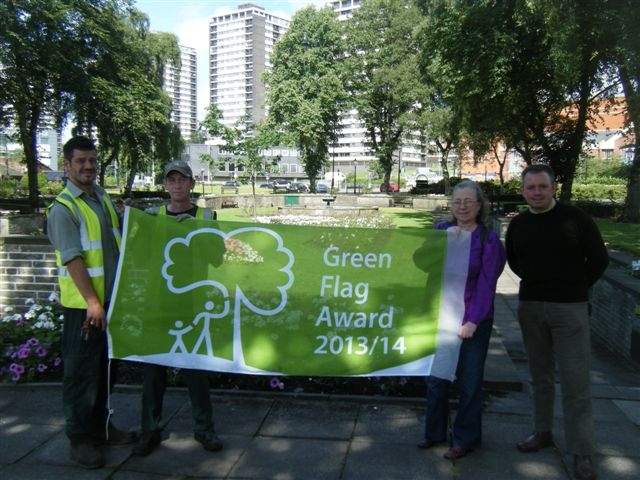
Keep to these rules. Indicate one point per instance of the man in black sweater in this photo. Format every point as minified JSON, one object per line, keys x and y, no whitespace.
{"x":558,"y":253}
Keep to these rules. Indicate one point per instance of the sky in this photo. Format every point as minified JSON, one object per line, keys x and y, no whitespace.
{"x":188,"y":19}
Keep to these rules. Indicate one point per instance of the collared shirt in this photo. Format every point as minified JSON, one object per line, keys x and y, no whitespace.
{"x":64,"y":233}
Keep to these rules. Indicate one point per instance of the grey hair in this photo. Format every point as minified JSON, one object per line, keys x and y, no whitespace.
{"x":483,"y":214}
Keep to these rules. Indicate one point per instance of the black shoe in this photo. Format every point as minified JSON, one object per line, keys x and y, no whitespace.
{"x":426,"y":443}
{"x":86,"y":455}
{"x":583,"y":467}
{"x":147,"y":443}
{"x":536,"y":441}
{"x":209,"y":441}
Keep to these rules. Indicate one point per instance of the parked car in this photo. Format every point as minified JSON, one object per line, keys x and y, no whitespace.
{"x":322,"y":188}
{"x":389,"y":187}
{"x":232,"y":183}
{"x":280,"y":184}
{"x":268,"y":186}
{"x":298,"y":188}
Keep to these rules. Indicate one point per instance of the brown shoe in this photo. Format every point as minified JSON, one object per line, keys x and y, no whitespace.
{"x":454,"y":453}
{"x":86,"y":455}
{"x":583,"y":467}
{"x":536,"y":441}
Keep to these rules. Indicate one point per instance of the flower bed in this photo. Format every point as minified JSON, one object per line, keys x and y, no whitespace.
{"x":30,"y":343}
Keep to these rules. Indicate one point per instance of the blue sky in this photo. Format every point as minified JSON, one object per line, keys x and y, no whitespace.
{"x":188,"y":19}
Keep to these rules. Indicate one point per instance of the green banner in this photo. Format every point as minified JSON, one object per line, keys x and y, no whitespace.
{"x":284,"y":299}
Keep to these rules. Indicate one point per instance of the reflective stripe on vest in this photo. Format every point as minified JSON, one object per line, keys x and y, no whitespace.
{"x":91,"y":244}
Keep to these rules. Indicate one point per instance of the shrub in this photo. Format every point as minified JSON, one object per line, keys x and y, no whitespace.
{"x":30,"y":342}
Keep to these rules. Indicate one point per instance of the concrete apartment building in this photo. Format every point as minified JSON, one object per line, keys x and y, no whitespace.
{"x":181,"y":85}
{"x":240,"y":46}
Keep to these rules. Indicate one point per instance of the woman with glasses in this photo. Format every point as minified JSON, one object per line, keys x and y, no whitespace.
{"x":487,"y":259}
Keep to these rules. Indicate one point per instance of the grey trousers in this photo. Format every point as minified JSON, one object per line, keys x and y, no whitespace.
{"x":557,"y":335}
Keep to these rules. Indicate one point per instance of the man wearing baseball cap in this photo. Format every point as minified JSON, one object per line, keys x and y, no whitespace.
{"x":178,"y":181}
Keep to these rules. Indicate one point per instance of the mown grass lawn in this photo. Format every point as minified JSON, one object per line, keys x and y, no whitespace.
{"x":620,"y":236}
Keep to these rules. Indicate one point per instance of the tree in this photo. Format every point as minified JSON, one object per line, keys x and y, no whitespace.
{"x":382,"y":72}
{"x":305,"y":91}
{"x":124,"y":99}
{"x":627,"y":60}
{"x":523,"y":73}
{"x":42,"y":48}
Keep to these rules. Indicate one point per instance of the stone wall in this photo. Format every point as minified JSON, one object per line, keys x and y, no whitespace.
{"x":27,"y":270}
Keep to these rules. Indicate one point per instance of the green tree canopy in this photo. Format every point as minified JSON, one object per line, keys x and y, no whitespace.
{"x":305,"y":87}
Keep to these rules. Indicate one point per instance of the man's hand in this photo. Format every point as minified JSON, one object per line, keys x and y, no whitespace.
{"x":96,"y":316}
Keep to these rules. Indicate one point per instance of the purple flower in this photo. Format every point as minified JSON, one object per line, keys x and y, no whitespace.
{"x":17,"y":368}
{"x":15,"y":377}
{"x":23,"y":352}
{"x":41,"y":351}
{"x":57,"y":361}
{"x":32,"y":342}
{"x":42,"y":367}
{"x":276,"y":383}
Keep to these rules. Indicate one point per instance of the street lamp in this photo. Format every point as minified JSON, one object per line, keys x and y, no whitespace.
{"x":202,"y":178}
{"x":355,"y":171}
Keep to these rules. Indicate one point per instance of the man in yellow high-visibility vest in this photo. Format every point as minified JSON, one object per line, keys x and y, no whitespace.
{"x":178,"y":181}
{"x":84,"y":229}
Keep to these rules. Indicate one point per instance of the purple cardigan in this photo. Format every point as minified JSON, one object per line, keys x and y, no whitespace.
{"x":486,"y":263}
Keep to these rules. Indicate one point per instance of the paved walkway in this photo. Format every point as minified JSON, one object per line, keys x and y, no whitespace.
{"x":351,"y":438}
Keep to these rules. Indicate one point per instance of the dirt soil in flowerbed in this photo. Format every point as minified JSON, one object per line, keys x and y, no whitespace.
{"x":132,"y":373}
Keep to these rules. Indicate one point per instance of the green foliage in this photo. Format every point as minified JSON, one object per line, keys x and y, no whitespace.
{"x":8,"y":187}
{"x":306,"y":86}
{"x":45,"y":187}
{"x":30,"y":343}
{"x":613,"y":193}
{"x":382,"y":68}
{"x":592,"y":170}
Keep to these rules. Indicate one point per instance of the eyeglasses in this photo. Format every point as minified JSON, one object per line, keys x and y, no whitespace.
{"x":467,"y":202}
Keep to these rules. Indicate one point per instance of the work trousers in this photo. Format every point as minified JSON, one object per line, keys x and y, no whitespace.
{"x":467,"y":426}
{"x":557,"y":335}
{"x":85,"y":378}
{"x":154,"y":386}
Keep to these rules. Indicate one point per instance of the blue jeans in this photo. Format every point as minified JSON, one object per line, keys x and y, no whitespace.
{"x":467,"y":426}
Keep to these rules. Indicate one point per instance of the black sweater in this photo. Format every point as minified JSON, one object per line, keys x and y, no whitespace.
{"x":558,"y":254}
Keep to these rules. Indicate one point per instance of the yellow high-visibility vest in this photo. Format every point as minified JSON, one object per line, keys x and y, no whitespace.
{"x":92,"y":250}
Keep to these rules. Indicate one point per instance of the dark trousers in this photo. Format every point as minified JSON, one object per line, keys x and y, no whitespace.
{"x":154,"y":385}
{"x":467,"y":426}
{"x":85,"y":379}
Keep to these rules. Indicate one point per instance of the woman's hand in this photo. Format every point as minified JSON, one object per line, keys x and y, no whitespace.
{"x":467,"y":330}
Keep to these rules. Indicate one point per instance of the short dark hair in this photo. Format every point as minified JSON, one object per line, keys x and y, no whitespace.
{"x":79,"y":142}
{"x":540,"y":168}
